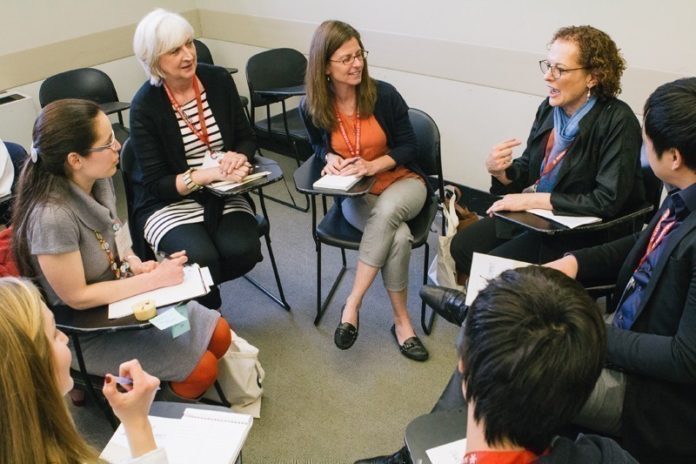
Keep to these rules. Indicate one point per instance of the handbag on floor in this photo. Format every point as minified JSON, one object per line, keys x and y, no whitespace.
{"x":465,"y":216}
{"x":241,"y":377}
{"x":442,"y":270}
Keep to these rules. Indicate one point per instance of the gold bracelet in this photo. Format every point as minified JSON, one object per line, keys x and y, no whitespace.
{"x":188,"y":181}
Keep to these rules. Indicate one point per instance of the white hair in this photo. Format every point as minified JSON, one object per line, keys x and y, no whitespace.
{"x":160,"y":31}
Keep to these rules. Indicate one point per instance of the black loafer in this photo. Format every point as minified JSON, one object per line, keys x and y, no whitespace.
{"x":346,"y":333}
{"x":446,"y":302}
{"x":412,"y":348}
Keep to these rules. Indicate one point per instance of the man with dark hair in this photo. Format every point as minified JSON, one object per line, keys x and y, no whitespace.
{"x":530,"y":351}
{"x":646,"y":394}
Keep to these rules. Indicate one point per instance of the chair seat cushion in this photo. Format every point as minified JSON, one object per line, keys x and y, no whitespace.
{"x":335,"y":230}
{"x":295,"y":126}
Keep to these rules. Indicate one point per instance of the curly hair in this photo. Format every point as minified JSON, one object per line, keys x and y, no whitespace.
{"x":599,"y":53}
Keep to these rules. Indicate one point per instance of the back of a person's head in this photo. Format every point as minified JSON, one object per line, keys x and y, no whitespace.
{"x":35,"y":425}
{"x":532,"y":348}
{"x":670,"y":119}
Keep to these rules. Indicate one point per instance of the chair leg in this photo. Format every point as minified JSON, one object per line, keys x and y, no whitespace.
{"x":98,"y":400}
{"x":292,"y":203}
{"x":427,"y":327}
{"x":321,"y":307}
{"x":280,"y":301}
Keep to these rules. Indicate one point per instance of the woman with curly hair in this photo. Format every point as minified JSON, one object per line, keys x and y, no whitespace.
{"x":582,"y":155}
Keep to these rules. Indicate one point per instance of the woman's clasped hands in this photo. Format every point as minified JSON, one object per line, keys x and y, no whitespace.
{"x":234,"y":166}
{"x":339,"y":166}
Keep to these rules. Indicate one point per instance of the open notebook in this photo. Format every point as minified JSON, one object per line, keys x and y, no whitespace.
{"x":485,"y":267}
{"x":227,"y":186}
{"x":200,"y":436}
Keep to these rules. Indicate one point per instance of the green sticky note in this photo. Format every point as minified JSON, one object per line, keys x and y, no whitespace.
{"x":183,"y":326}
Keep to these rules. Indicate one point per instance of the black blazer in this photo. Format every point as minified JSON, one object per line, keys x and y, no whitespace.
{"x":601,"y":173}
{"x":156,"y":138}
{"x":659,"y":352}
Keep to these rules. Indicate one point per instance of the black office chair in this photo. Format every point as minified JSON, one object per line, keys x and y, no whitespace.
{"x":334,"y":229}
{"x":273,"y":77}
{"x":88,"y":84}
{"x":204,"y":56}
{"x":132,"y":179}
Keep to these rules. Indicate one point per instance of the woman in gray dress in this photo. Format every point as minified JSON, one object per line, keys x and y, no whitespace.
{"x":68,"y":236}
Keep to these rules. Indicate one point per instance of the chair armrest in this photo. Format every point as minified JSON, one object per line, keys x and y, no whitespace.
{"x":114,"y":107}
{"x":310,"y":171}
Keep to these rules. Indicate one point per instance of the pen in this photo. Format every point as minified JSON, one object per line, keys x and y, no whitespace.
{"x":124,"y":380}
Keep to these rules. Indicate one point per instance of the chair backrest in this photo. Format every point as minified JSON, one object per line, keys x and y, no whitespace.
{"x":86,"y":83}
{"x":428,"y":139}
{"x":132,"y":183}
{"x":279,"y":67}
{"x":203,"y":52}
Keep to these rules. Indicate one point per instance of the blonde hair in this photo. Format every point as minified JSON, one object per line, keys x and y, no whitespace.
{"x":158,"y":32}
{"x":35,"y":425}
{"x":328,"y":38}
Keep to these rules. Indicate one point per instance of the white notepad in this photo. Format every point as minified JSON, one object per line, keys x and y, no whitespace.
{"x":226,"y":186}
{"x":449,"y":453}
{"x":485,"y":267}
{"x":333,"y":182}
{"x":570,"y":222}
{"x":196,"y":283}
{"x":200,"y":436}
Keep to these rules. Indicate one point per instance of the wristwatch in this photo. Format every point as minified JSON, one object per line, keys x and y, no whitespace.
{"x":188,"y":181}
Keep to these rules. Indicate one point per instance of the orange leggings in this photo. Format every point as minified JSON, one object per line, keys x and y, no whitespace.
{"x":205,"y":372}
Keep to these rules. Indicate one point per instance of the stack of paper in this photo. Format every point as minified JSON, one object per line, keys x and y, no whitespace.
{"x":205,"y":436}
{"x":570,"y":222}
{"x":333,"y":182}
{"x":226,"y":186}
{"x":484,"y":268}
{"x":197,"y":282}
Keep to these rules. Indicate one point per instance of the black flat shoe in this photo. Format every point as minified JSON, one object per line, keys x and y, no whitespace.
{"x":346,"y":333}
{"x":400,"y":457}
{"x":446,"y":302}
{"x":412,"y":348}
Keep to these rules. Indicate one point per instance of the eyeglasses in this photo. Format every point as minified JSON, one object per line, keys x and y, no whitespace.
{"x":347,"y":60}
{"x":556,"y":72}
{"x":110,"y":146}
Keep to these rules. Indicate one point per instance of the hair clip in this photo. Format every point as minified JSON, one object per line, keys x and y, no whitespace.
{"x":34,"y":154}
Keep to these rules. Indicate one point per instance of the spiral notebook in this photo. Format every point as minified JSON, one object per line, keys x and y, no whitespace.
{"x":205,"y":436}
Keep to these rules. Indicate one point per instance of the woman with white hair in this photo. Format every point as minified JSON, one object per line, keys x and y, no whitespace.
{"x":188,"y":130}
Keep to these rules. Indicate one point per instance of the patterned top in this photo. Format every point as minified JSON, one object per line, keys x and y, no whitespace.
{"x":188,"y":210}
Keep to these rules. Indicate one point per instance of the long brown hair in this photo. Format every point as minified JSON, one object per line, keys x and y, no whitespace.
{"x":328,"y":38}
{"x":62,"y":127}
{"x":35,"y":425}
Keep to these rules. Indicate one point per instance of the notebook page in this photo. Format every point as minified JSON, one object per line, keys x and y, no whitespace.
{"x":485,"y":267}
{"x":334,"y":182}
{"x":570,"y":222}
{"x":225,"y":185}
{"x":449,"y":453}
{"x":191,"y":287}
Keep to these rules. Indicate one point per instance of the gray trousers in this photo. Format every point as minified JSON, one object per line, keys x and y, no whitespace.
{"x":387,"y":240}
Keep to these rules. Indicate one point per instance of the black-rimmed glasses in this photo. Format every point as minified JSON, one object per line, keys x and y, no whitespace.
{"x":347,"y":60}
{"x":556,"y":72}
{"x":111,"y":145}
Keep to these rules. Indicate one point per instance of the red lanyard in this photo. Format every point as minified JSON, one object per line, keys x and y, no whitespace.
{"x":548,"y":167}
{"x":354,"y":151}
{"x":658,"y":235}
{"x":500,"y":457}
{"x":202,"y":134}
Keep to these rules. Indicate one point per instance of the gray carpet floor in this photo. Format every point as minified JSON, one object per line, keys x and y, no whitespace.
{"x":321,"y":404}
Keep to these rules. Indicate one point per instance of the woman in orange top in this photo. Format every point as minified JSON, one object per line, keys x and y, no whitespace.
{"x":360,"y":126}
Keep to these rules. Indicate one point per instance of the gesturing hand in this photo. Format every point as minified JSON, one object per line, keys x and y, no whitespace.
{"x":500,"y":157}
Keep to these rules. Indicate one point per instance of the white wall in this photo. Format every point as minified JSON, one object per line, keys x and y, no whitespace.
{"x":473,"y":113}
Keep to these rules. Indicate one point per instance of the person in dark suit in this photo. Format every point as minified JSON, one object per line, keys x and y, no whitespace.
{"x":652,"y":339}
{"x":645,"y":394}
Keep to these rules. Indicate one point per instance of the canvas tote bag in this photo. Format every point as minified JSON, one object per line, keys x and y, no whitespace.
{"x":442,"y":270}
{"x":241,"y":377}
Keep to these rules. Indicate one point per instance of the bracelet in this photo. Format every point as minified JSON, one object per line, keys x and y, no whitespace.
{"x":188,"y":181}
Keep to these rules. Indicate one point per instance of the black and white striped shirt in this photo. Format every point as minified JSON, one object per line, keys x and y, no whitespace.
{"x":189,"y":211}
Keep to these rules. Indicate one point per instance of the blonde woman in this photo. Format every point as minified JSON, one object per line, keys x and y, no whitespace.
{"x":35,"y":425}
